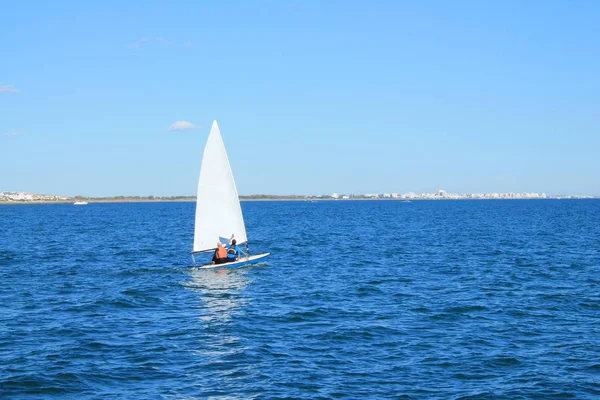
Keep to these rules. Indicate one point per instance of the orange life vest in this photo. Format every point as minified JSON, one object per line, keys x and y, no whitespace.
{"x":221,"y":252}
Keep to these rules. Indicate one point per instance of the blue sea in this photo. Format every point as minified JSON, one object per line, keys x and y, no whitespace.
{"x":359,"y":300}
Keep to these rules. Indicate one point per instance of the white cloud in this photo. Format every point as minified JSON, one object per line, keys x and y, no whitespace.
{"x":14,"y":133}
{"x":161,"y":39}
{"x":8,"y":89}
{"x":182,"y":125}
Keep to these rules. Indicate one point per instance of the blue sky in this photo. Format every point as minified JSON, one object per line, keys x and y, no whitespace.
{"x":311,"y":97}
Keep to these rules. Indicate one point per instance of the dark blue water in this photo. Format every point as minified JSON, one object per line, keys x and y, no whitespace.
{"x":365,"y":299}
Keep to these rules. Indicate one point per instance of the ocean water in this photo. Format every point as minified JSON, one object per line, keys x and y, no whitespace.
{"x":359,"y":299}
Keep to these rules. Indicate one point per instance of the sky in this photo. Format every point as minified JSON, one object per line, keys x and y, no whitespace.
{"x":312,"y":97}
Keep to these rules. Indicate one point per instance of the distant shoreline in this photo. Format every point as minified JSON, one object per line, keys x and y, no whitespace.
{"x":282,"y":198}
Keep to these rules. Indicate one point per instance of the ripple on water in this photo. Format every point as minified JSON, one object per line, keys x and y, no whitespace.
{"x":365,"y":299}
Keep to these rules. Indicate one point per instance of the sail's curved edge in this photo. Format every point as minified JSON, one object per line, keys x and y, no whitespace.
{"x":218,"y":210}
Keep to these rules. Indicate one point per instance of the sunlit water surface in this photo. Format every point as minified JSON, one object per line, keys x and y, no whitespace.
{"x":359,"y":299}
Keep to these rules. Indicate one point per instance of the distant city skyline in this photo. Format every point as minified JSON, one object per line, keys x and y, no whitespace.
{"x":106,"y":99}
{"x":6,"y":196}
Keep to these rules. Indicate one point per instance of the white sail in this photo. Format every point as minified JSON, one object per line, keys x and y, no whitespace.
{"x":218,"y":211}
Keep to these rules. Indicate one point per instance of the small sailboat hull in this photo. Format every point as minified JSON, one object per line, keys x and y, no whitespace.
{"x":240,"y":263}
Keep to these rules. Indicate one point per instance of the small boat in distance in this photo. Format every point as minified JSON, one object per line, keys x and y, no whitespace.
{"x":218,"y":210}
{"x":80,"y":203}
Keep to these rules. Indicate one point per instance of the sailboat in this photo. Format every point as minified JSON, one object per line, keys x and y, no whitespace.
{"x":218,"y":211}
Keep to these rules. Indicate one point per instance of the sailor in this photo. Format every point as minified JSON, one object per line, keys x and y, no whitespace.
{"x":233,"y":253}
{"x":220,"y":256}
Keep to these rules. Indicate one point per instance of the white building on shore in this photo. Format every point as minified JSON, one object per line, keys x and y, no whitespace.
{"x":25,"y":197}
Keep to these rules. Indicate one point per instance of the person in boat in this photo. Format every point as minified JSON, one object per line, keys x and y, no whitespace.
{"x":220,"y":256}
{"x":233,"y":254}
